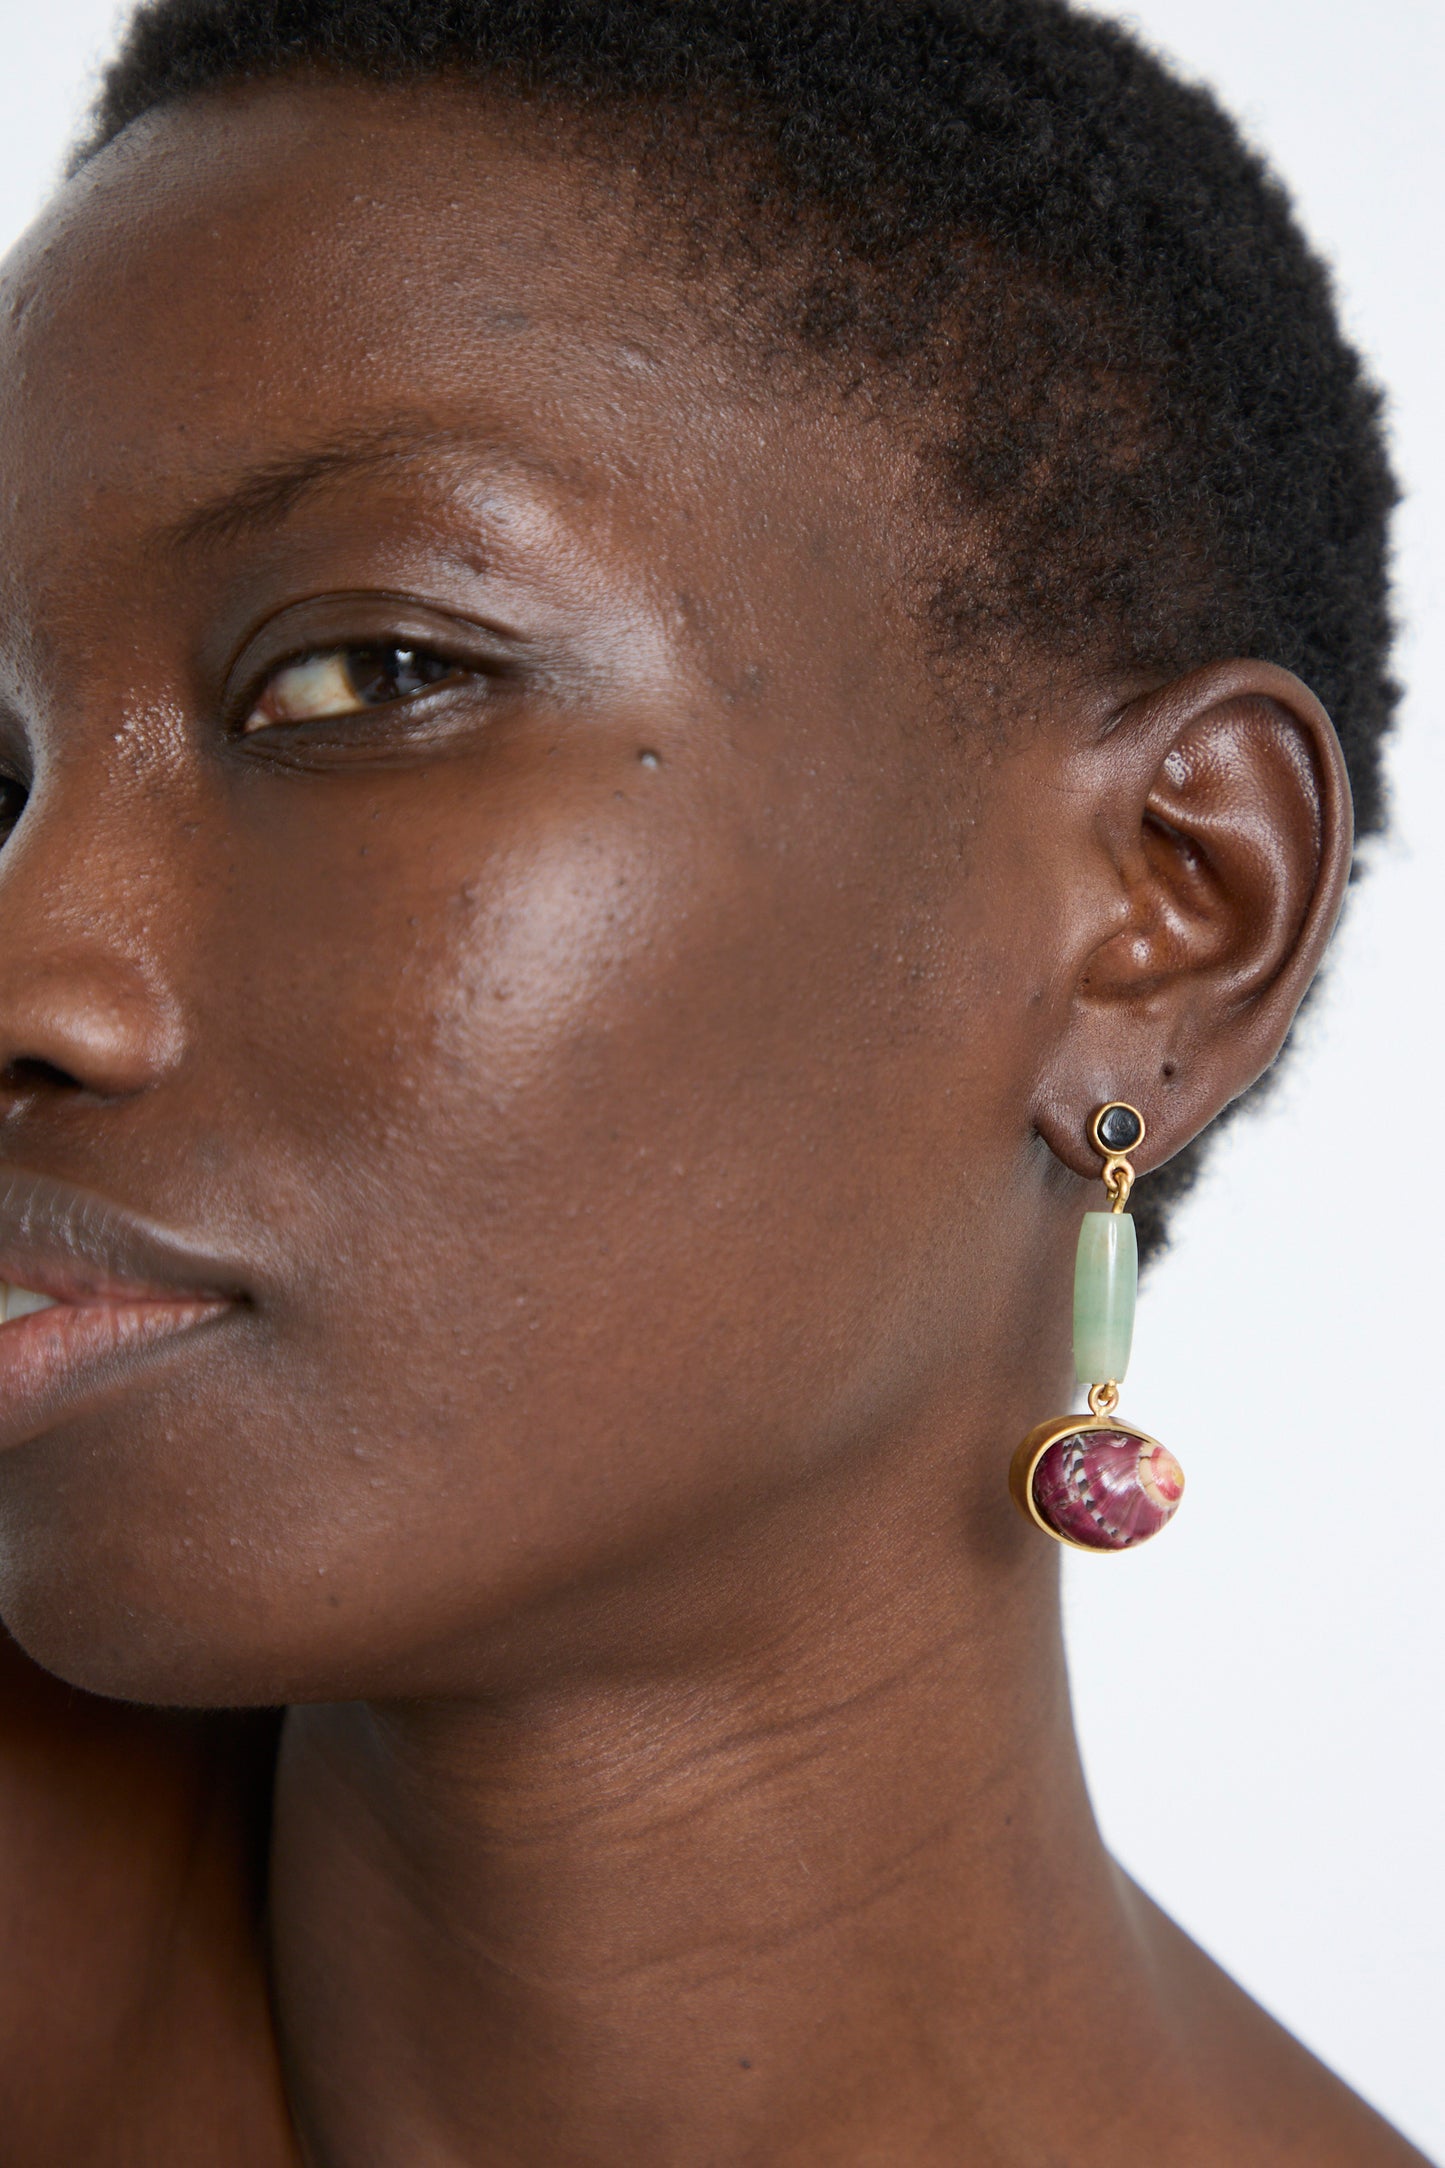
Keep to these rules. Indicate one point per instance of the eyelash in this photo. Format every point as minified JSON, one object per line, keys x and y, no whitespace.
{"x":348,"y":679}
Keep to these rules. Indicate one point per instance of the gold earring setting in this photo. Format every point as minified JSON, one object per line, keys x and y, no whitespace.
{"x":1093,"y":1482}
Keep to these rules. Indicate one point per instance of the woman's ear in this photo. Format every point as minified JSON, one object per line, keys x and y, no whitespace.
{"x":1224,"y":808}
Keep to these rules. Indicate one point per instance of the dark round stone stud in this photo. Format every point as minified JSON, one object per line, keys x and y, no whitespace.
{"x":1118,"y":1128}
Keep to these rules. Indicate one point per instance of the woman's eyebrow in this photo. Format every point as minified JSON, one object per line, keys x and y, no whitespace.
{"x":261,"y":496}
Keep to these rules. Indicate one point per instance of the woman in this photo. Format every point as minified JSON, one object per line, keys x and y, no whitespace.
{"x":649,"y":649}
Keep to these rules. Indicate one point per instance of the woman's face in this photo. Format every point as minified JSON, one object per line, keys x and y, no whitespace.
{"x":496,"y":884}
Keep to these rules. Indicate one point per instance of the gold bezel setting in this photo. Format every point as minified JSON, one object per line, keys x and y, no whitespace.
{"x":1108,"y":1151}
{"x":1032,"y":1450}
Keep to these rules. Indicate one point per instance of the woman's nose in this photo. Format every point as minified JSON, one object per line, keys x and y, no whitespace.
{"x":79,"y":1021}
{"x":84,"y":1008}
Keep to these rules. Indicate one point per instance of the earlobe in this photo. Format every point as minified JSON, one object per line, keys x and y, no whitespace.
{"x":1230,"y":828}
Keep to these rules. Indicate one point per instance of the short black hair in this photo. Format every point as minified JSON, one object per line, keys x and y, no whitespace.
{"x":1139,"y":390}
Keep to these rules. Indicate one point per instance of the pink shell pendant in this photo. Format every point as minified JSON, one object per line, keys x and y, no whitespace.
{"x":1096,"y":1484}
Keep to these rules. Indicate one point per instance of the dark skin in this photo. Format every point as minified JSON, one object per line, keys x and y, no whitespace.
{"x":631,"y":1091}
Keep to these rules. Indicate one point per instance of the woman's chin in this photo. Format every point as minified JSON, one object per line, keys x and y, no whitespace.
{"x":173,"y":1642}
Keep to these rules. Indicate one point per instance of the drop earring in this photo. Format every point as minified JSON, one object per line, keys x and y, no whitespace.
{"x":1093,"y":1482}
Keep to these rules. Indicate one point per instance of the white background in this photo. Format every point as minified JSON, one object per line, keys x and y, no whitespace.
{"x":1259,"y":1692}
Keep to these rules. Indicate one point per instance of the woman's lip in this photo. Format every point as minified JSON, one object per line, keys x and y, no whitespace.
{"x":118,"y":1284}
{"x":81,"y":1248}
{"x":50,"y":1358}
{"x":76,"y":1284}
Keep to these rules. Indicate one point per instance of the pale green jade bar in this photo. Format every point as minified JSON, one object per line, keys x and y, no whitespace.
{"x":1106,"y":1283}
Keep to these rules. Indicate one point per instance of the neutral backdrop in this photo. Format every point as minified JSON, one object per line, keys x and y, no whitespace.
{"x":1259,"y":1692}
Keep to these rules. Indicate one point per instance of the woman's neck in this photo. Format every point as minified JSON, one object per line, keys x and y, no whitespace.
{"x":838,"y":1895}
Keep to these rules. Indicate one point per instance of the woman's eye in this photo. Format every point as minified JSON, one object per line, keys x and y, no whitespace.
{"x":13,"y":798}
{"x":346,"y":681}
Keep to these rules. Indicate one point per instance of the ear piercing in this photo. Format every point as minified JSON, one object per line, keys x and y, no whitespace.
{"x":1093,"y":1482}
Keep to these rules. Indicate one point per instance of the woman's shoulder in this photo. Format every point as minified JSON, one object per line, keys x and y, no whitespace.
{"x":1264,"y":2101}
{"x":133,"y":2014}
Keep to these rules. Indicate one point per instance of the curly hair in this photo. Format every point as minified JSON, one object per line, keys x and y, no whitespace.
{"x":1140,"y":401}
